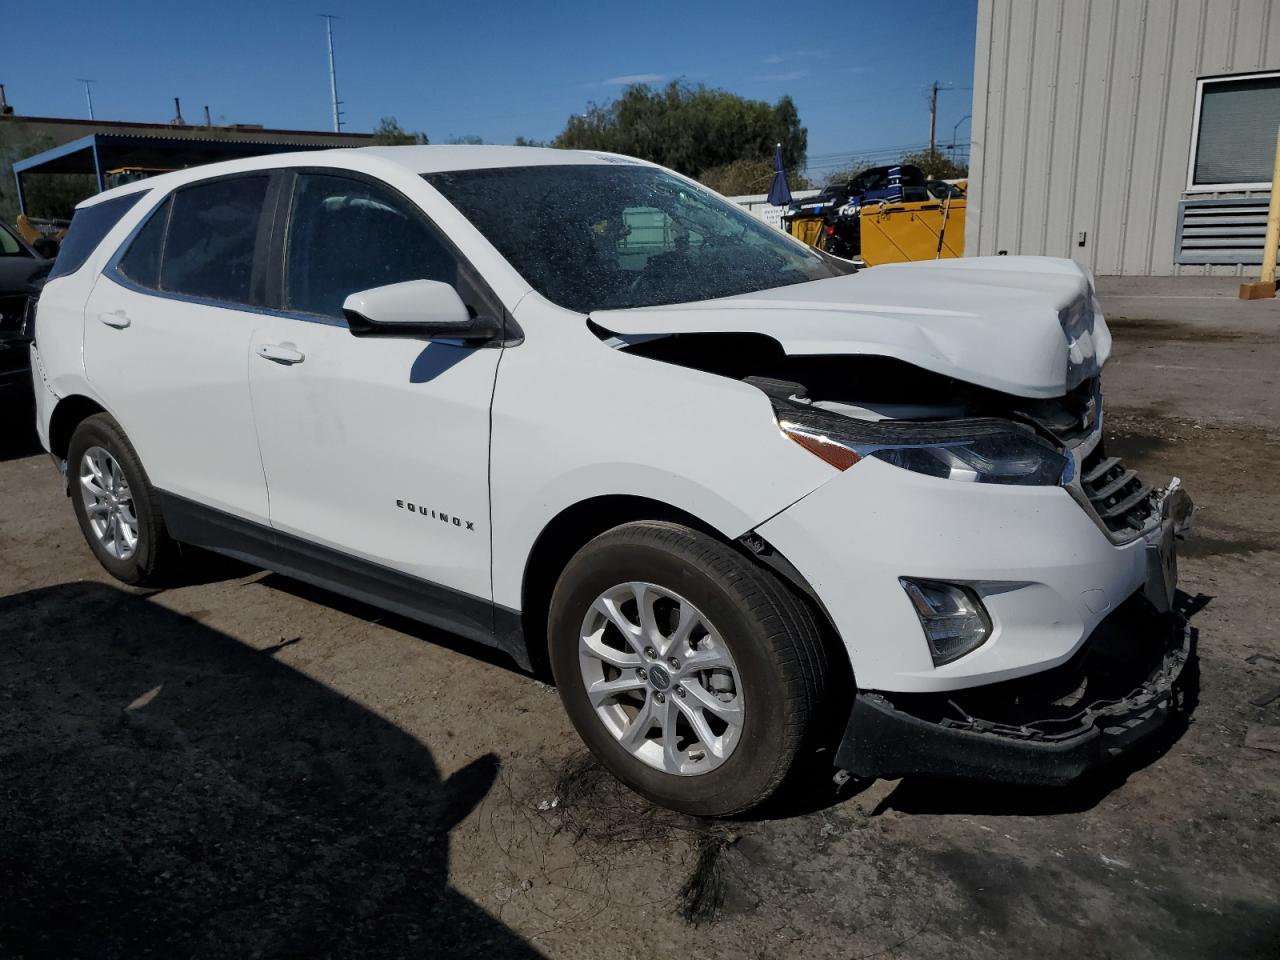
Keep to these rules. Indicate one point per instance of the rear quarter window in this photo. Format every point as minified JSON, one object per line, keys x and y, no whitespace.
{"x":88,"y":226}
{"x":141,"y":262}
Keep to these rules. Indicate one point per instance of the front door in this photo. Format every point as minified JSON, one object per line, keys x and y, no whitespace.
{"x":375,"y":448}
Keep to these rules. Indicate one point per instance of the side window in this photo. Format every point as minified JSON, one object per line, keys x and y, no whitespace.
{"x":209,"y":246}
{"x":88,"y":226}
{"x":141,"y":262}
{"x":347,"y":235}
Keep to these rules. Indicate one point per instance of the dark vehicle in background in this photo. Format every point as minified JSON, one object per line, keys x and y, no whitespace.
{"x":840,"y":203}
{"x":23,"y":269}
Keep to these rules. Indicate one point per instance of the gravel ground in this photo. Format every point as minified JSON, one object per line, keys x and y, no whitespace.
{"x":244,"y":766}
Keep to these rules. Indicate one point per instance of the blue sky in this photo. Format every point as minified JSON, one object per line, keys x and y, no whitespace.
{"x":858,"y":72}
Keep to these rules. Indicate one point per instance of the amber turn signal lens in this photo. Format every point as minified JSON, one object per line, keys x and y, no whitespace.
{"x":842,"y":458}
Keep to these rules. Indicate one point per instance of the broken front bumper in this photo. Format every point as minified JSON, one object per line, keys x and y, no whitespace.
{"x":1120,"y":690}
{"x":1036,"y":557}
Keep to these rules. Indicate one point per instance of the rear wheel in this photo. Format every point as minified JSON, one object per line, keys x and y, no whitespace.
{"x":116,"y":507}
{"x":691,"y":673}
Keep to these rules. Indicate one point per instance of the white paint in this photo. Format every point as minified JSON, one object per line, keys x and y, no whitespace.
{"x":992,"y":321}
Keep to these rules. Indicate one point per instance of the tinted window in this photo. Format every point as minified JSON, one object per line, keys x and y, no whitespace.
{"x":209,"y":247}
{"x":9,"y":245}
{"x":347,"y":235}
{"x":1236,"y":138}
{"x":88,"y":226}
{"x":604,"y":237}
{"x":141,"y":263}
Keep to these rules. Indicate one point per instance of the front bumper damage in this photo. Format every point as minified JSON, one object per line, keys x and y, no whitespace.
{"x":1174,"y":509}
{"x":1047,"y":729}
{"x":1119,"y":690}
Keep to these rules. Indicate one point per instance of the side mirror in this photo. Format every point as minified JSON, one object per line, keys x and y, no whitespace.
{"x":47,"y":247}
{"x":419,"y":309}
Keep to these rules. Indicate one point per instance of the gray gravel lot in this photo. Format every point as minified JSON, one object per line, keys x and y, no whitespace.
{"x":244,"y":766}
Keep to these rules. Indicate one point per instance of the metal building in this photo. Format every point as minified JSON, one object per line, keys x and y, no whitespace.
{"x":1135,"y":136}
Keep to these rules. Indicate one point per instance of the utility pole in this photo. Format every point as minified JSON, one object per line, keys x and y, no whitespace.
{"x":933,"y":114}
{"x":333,"y":73}
{"x":88,"y":94}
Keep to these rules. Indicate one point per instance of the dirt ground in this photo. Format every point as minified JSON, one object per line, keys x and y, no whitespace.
{"x":248,"y":767}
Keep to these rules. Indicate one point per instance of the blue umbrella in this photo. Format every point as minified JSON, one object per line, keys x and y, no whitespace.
{"x":779,"y":192}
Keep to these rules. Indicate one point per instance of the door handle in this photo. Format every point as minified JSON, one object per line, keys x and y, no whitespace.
{"x":116,"y":318}
{"x":281,"y":353}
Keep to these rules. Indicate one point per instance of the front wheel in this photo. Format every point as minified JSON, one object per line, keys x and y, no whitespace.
{"x":691,"y":673}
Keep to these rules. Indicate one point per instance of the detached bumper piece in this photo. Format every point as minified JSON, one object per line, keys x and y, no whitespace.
{"x":1048,"y":729}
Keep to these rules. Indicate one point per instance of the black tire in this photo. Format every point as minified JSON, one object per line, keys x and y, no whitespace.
{"x":155,"y":559}
{"x":773,"y":637}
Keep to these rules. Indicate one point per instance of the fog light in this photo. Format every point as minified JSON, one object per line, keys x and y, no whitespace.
{"x":954,"y":620}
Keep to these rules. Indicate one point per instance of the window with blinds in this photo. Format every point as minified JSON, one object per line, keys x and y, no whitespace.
{"x":1235,"y":138}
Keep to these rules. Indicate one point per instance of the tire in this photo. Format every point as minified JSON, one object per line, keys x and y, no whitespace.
{"x":777,"y":678}
{"x":152,"y":557}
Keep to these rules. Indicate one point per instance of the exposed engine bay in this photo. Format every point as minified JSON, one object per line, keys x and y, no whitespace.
{"x":895,"y":410}
{"x":872,"y":388}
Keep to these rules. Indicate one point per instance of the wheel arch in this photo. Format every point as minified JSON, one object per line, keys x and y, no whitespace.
{"x":68,"y":414}
{"x":576,"y":525}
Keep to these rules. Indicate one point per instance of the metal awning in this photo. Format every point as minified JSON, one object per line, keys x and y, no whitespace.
{"x":100,"y":152}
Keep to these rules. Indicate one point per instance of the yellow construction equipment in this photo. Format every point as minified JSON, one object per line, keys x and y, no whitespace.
{"x":121,"y":175}
{"x":927,"y":230}
{"x":806,"y":229}
{"x":32,"y":229}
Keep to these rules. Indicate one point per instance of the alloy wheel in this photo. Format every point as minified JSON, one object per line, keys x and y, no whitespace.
{"x":661,"y":678}
{"x":108,"y":503}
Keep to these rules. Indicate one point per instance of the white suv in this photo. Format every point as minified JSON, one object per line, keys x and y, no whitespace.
{"x":740,"y":499}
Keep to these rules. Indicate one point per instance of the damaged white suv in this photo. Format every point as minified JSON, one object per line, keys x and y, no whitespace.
{"x":579,"y":408}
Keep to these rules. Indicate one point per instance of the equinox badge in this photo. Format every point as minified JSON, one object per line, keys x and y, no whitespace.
{"x":434,"y":515}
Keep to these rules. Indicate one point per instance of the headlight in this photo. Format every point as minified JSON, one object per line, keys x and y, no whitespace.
{"x":977,"y":450}
{"x":954,"y":620}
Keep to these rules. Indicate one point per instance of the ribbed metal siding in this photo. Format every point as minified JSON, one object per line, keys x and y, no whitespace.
{"x":1082,"y":116}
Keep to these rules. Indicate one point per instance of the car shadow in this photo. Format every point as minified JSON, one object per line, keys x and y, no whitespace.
{"x":167,"y":790}
{"x":18,"y":438}
{"x":437,"y":358}
{"x":493,"y":656}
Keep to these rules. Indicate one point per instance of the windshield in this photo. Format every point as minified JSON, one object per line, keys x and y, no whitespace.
{"x":609,"y":237}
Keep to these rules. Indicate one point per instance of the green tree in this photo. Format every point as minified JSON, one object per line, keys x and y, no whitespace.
{"x":748,"y":176}
{"x":937,"y":165}
{"x":469,"y":139}
{"x":389,"y":133}
{"x":690,"y":129}
{"x":528,"y":142}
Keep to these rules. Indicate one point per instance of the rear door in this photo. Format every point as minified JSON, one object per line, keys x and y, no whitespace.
{"x":373,"y":447}
{"x":167,"y":335}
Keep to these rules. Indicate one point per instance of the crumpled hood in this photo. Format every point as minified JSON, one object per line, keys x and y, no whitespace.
{"x":992,"y":321}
